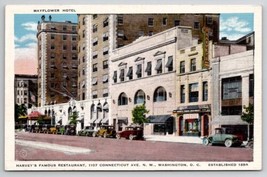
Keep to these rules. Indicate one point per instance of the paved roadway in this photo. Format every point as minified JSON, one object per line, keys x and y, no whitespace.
{"x":33,"y":146}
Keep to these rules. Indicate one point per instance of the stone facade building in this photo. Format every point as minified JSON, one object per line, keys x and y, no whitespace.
{"x":193,"y":91}
{"x":144,"y":73}
{"x":57,"y":61}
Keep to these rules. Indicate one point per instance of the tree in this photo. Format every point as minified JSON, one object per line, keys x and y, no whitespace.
{"x":20,"y":110}
{"x":74,"y":117}
{"x":248,"y":116}
{"x":138,"y":114}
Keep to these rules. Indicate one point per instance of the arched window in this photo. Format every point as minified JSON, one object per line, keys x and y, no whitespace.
{"x":123,"y":99}
{"x":139,"y":97}
{"x":92,"y":110}
{"x":160,"y":94}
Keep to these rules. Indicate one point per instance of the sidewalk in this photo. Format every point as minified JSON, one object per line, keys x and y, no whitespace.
{"x":172,"y":138}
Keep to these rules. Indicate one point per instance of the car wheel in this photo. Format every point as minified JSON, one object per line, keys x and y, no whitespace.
{"x":94,"y":134}
{"x":228,"y":143}
{"x":206,"y":141}
{"x":131,"y":137}
{"x":118,"y":136}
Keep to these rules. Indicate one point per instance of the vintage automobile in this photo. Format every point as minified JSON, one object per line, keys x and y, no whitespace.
{"x":131,"y":133}
{"x":105,"y":131}
{"x":223,"y":136}
{"x":87,"y":131}
{"x":70,"y":129}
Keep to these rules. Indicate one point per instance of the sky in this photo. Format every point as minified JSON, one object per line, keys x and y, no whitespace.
{"x":232,"y":25}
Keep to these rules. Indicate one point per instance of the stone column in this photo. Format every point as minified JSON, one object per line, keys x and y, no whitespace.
{"x":245,"y":89}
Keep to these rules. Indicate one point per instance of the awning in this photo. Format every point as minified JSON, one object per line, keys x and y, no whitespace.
{"x":228,"y":120}
{"x":205,"y":107}
{"x":148,"y":68}
{"x":130,"y":72}
{"x":105,"y":120}
{"x":159,"y":64}
{"x":169,"y":63}
{"x":105,"y":107}
{"x":139,"y":69}
{"x":115,"y":75}
{"x":105,"y":78}
{"x":94,"y":80}
{"x":23,"y":117}
{"x":35,"y":114}
{"x":159,"y":118}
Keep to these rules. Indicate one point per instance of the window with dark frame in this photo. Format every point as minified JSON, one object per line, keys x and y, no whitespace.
{"x":149,"y":68}
{"x":130,"y":73}
{"x":115,"y":76}
{"x":105,"y":23}
{"x":159,"y":66}
{"x":64,"y":37}
{"x":139,"y":71}
{"x":193,"y":92}
{"x":176,"y":22}
{"x":182,"y":94}
{"x":196,"y":25}
{"x":169,"y":64}
{"x":94,"y":28}
{"x":160,"y":94}
{"x":94,"y":67}
{"x":120,"y":20}
{"x":105,"y":64}
{"x":193,"y":64}
{"x":150,"y":22}
{"x":182,"y":67}
{"x":122,"y":75}
{"x":123,"y":99}
{"x":164,"y":21}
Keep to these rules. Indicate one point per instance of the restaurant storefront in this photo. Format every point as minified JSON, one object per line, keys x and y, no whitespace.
{"x":193,"y":120}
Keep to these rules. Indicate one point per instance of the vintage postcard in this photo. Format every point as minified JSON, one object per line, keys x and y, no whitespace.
{"x":133,"y":87}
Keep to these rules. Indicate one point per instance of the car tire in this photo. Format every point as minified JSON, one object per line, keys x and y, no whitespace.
{"x":228,"y":143}
{"x":94,"y":134}
{"x":206,"y":141}
{"x":118,"y":136}
{"x":131,"y":137}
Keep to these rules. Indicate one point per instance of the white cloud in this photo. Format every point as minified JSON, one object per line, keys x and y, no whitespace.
{"x":30,"y":26}
{"x":31,"y":45}
{"x":26,"y":53}
{"x":27,"y":37}
{"x":234,"y":24}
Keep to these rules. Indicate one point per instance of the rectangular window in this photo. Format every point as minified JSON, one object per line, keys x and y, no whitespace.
{"x":193,"y":49}
{"x":148,"y":68}
{"x":139,"y":71}
{"x":164,"y":21}
{"x":176,"y":22}
{"x":182,"y":67}
{"x":94,"y":28}
{"x":130,"y":73}
{"x":94,"y":16}
{"x":74,"y":56}
{"x":159,"y":66}
{"x":105,"y":36}
{"x":115,"y":76}
{"x":105,"y":64}
{"x":120,"y":34}
{"x":105,"y":78}
{"x":105,"y":23}
{"x":205,"y":91}
{"x":150,"y":22}
{"x":74,"y":47}
{"x":52,"y":47}
{"x":83,"y":33}
{"x":64,"y":28}
{"x":95,"y":54}
{"x":105,"y":50}
{"x":182,"y":94}
{"x":122,"y":75}
{"x":169,"y":64}
{"x":83,"y":20}
{"x":52,"y":55}
{"x":94,"y":81}
{"x":231,"y":110}
{"x":193,"y":92}
{"x":232,"y":88}
{"x":94,"y":67}
{"x":209,"y":21}
{"x":105,"y":93}
{"x":52,"y":36}
{"x":64,"y":56}
{"x":64,"y":47}
{"x":74,"y":38}
{"x":196,"y":25}
{"x":120,"y":20}
{"x":193,"y":64}
{"x":94,"y":94}
{"x":95,"y":41}
{"x":83,"y":96}
{"x":64,"y":37}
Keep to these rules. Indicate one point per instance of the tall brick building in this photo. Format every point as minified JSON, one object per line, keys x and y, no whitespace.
{"x":100,"y":34}
{"x":57,"y":61}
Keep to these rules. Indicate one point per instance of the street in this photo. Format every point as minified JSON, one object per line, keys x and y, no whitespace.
{"x":48,"y":147}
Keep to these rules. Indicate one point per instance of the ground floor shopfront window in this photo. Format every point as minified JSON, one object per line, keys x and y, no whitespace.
{"x":191,"y":127}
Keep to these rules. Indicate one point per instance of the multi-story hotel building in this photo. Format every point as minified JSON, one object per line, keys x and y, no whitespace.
{"x":57,"y":61}
{"x":26,"y":90}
